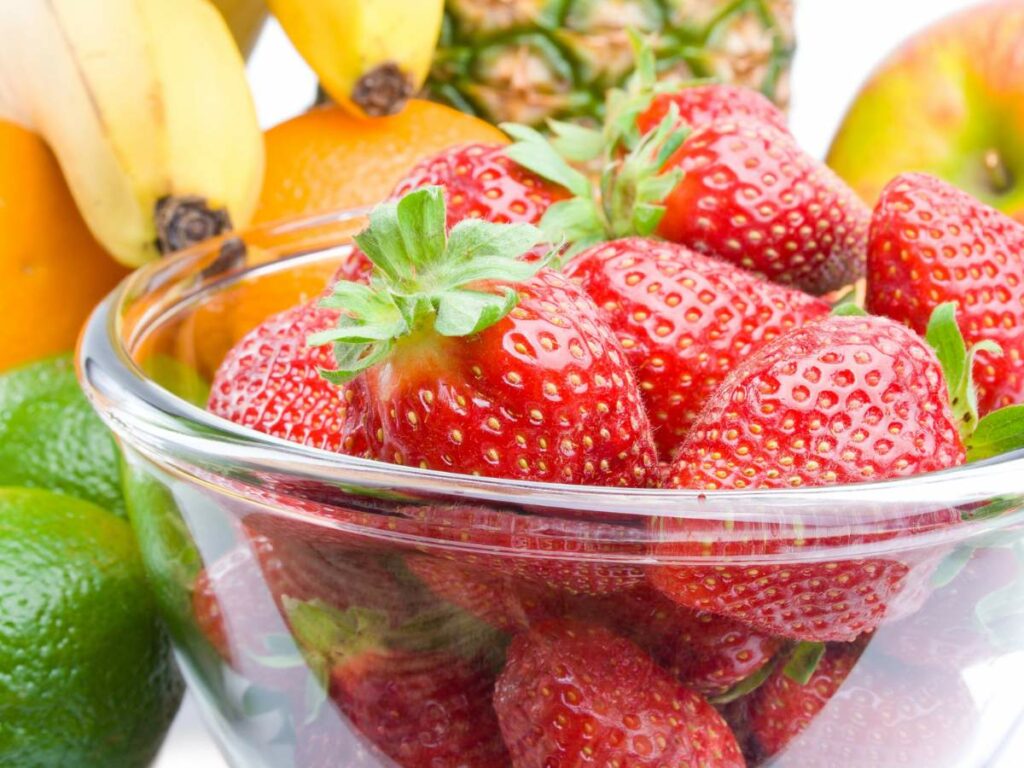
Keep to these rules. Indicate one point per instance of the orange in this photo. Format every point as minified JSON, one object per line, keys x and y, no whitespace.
{"x":52,"y":271}
{"x":322,"y":160}
{"x":326,"y":159}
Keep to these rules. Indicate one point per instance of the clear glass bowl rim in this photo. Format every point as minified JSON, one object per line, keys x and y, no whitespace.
{"x":152,"y":419}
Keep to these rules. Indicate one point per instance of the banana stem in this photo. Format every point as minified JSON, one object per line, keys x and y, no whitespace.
{"x":383,"y":90}
{"x":184,"y":221}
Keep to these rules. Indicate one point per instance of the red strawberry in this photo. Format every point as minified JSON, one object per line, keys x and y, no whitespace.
{"x":931,"y":243}
{"x":480,"y":182}
{"x":421,"y":706}
{"x":782,"y":707}
{"x":504,"y":602}
{"x":699,"y":105}
{"x":842,"y":400}
{"x":226,"y":596}
{"x":575,"y":557}
{"x":574,"y":695}
{"x":707,"y":653}
{"x":422,"y":709}
{"x":740,"y":190}
{"x":751,"y":196}
{"x":455,"y":366}
{"x":270,"y":381}
{"x":684,"y":320}
{"x":879,"y":716}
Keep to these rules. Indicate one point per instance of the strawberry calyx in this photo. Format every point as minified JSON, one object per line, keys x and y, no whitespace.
{"x":996,"y":433}
{"x":426,"y":280}
{"x":329,"y":634}
{"x":803,"y":661}
{"x":627,"y":198}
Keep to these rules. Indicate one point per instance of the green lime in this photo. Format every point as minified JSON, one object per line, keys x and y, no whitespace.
{"x":51,"y":438}
{"x":86,"y":674}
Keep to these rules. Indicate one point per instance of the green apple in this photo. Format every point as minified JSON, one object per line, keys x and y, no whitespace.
{"x":950,"y":102}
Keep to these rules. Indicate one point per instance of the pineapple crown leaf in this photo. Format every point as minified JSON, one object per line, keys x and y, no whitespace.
{"x":803,"y":661}
{"x":425,"y":276}
{"x":998,"y":432}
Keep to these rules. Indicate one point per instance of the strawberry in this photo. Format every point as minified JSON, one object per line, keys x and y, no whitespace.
{"x":230,"y":615}
{"x":461,"y":357}
{"x":573,"y":557}
{"x":503,"y":602}
{"x":684,"y":320}
{"x":707,"y":653}
{"x":738,"y":189}
{"x":783,"y":706}
{"x":575,"y":694}
{"x":270,"y":381}
{"x":870,"y":714}
{"x":423,"y":707}
{"x":700,"y":105}
{"x":751,"y":196}
{"x":481,"y":183}
{"x":841,"y":400}
{"x":931,"y":243}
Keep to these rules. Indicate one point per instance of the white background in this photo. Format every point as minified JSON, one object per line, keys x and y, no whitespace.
{"x":840,"y":41}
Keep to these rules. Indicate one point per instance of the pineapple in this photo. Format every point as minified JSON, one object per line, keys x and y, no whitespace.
{"x":529,"y":60}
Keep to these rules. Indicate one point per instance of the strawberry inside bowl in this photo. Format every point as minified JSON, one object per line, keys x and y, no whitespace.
{"x":515,"y":543}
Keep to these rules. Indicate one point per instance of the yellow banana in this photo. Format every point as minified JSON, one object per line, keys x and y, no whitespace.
{"x":245,"y":18}
{"x":370,"y":55}
{"x":146,"y":106}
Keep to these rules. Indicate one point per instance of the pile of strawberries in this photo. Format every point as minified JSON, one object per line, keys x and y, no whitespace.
{"x":501,"y":318}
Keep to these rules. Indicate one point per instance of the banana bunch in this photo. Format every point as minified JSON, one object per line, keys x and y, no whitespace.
{"x":146,"y":107}
{"x":245,"y":19}
{"x":370,"y":55}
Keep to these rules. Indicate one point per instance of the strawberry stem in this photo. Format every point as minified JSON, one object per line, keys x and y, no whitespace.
{"x":803,"y":661}
{"x":425,"y":278}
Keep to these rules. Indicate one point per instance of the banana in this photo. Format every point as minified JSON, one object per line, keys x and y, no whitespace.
{"x":146,"y":107}
{"x":245,"y":18}
{"x":370,"y":55}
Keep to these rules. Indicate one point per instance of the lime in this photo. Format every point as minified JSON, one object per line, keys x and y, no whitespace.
{"x":51,"y":438}
{"x":86,"y":674}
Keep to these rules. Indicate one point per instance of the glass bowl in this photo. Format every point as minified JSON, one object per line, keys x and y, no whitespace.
{"x":332,"y":611}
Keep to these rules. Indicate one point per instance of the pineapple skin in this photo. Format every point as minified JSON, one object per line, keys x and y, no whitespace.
{"x":527,"y":61}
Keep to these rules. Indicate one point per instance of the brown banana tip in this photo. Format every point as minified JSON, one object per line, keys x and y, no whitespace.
{"x":183,"y":221}
{"x":383,"y":90}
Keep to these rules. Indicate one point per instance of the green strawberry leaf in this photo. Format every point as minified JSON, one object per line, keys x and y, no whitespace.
{"x":576,"y":143}
{"x":803,"y":661}
{"x":998,"y":432}
{"x":951,"y":566}
{"x":535,"y":153}
{"x":745,"y":686}
{"x":257,"y":701}
{"x":461,"y":313}
{"x":957,"y":361}
{"x":1001,"y":613}
{"x":578,"y":220}
{"x":326,"y":631}
{"x":425,"y":278}
{"x":848,"y":309}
